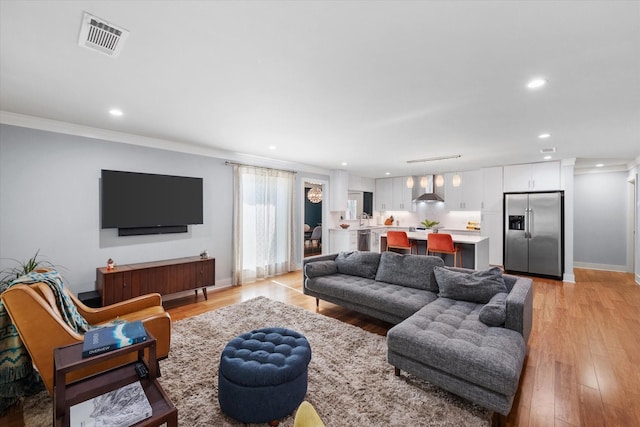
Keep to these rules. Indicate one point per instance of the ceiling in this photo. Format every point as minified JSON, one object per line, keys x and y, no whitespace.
{"x":370,"y":83}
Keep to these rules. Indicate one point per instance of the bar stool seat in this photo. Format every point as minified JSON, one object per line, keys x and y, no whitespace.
{"x":443,"y":243}
{"x":398,"y":240}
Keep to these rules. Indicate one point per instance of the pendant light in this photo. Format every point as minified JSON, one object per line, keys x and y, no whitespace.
{"x":456,"y":180}
{"x":439,"y":180}
{"x":410,"y":182}
{"x":315,"y":195}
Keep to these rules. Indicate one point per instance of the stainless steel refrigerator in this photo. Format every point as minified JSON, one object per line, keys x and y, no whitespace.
{"x":534,"y":233}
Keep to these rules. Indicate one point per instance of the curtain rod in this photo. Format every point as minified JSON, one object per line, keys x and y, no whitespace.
{"x":230,"y":163}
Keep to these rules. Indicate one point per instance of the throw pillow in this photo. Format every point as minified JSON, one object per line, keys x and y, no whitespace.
{"x":362,"y":264}
{"x":476,"y":286}
{"x":494,"y":313}
{"x":320,"y":268}
{"x":409,"y":270}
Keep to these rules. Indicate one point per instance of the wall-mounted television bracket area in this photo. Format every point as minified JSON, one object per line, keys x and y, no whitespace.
{"x":143,"y":203}
{"x":143,"y":231}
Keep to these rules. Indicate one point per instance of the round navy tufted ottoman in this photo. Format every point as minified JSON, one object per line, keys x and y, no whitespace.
{"x":263,"y":375}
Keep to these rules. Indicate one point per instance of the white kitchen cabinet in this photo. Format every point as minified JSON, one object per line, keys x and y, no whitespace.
{"x":491,"y":217}
{"x":375,"y":238}
{"x":491,"y":227}
{"x":343,"y":240}
{"x":384,"y":194}
{"x":339,"y":192}
{"x":392,"y":194}
{"x":401,"y":197}
{"x":492,"y":189}
{"x":532,"y":177}
{"x":467,"y":196}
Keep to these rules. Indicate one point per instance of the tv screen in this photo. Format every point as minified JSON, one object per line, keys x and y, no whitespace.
{"x":142,"y":200}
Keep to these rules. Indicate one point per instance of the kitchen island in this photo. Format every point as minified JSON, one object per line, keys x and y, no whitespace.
{"x":475,"y":249}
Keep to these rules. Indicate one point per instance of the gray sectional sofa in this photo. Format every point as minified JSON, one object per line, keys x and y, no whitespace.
{"x":463,"y":330}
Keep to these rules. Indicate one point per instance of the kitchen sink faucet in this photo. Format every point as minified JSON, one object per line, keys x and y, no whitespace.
{"x":363,"y":216}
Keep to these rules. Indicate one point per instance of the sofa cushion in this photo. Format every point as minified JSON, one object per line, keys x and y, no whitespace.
{"x":320,"y":268}
{"x":476,"y":286}
{"x":409,"y":270}
{"x":400,"y":301}
{"x":494,"y":313}
{"x":362,"y":264}
{"x":447,"y":335}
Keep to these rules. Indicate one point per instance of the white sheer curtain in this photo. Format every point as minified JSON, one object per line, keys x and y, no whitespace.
{"x":263,"y":223}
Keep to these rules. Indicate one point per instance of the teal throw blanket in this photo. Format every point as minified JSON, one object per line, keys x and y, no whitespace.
{"x":17,"y":376}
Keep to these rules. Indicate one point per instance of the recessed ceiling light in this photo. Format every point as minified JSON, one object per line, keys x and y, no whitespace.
{"x":116,"y":112}
{"x":544,"y":135}
{"x":344,"y":163}
{"x":547,"y":157}
{"x":536,"y":83}
{"x":387,"y":173}
{"x":599,"y":165}
{"x":272,"y":147}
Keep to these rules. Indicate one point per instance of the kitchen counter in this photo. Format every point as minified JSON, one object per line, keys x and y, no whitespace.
{"x":459,"y":231}
{"x":475,"y":249}
{"x":356,"y":228}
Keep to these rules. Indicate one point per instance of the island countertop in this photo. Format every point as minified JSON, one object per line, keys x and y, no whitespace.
{"x":469,"y":239}
{"x":475,"y":249}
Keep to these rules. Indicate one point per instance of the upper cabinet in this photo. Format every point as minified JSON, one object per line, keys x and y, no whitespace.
{"x":339,"y":192}
{"x":492,"y":189}
{"x":465,"y":197}
{"x":401,"y":200}
{"x":384,"y":194}
{"x":532,"y":177}
{"x":392,"y":194}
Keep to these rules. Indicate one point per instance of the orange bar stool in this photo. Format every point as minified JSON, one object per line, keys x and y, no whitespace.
{"x":398,"y":240}
{"x":443,"y":243}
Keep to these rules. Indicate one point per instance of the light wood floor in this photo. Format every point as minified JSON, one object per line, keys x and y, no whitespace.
{"x":583,"y":367}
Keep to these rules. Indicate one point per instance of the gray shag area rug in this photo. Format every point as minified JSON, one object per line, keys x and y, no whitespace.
{"x":350,"y":380}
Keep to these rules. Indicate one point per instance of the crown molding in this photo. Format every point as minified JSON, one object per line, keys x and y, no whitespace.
{"x":40,"y":123}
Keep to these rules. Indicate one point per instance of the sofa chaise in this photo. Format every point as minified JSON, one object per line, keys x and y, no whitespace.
{"x":462,"y":330}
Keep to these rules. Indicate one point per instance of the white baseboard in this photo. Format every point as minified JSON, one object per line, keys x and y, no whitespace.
{"x":605,"y":267}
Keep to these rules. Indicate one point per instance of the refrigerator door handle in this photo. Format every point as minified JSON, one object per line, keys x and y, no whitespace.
{"x":527,"y":223}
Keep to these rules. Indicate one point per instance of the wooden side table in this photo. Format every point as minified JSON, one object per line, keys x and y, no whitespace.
{"x":69,"y":359}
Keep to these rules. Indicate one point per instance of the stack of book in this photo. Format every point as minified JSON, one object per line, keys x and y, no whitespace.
{"x":101,"y":340}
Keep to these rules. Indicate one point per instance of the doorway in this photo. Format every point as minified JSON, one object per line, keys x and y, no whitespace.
{"x":314,"y":199}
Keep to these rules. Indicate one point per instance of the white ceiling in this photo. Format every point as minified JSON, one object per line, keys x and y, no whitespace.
{"x":370,"y":83}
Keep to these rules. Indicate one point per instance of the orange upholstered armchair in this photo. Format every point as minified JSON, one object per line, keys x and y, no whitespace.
{"x":34,"y":312}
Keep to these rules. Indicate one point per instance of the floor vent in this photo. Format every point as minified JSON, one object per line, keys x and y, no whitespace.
{"x":101,"y":36}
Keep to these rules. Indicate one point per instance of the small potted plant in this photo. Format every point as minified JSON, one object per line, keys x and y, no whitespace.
{"x":10,"y":274}
{"x":430,"y":224}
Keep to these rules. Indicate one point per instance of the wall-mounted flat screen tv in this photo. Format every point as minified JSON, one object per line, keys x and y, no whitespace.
{"x":143,"y":203}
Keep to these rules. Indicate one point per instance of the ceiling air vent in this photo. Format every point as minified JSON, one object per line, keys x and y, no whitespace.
{"x":101,"y":36}
{"x":548,"y":150}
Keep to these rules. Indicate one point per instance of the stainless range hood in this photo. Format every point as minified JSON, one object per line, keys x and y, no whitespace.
{"x":428,"y":193}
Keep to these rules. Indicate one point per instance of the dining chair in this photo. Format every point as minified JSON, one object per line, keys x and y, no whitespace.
{"x":316,"y":236}
{"x":443,"y":243}
{"x":398,"y":240}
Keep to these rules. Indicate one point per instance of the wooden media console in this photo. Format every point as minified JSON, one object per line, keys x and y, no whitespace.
{"x":164,"y":277}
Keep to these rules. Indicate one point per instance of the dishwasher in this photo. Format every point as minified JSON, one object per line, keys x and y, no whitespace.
{"x":364,"y":240}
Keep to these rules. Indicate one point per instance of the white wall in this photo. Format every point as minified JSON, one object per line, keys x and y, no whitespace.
{"x":49,"y":200}
{"x":600,"y":228}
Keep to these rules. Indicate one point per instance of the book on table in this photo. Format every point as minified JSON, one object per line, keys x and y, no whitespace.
{"x":118,"y":408}
{"x":101,"y":340}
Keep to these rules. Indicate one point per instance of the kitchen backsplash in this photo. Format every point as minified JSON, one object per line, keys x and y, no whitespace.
{"x":431,"y":211}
